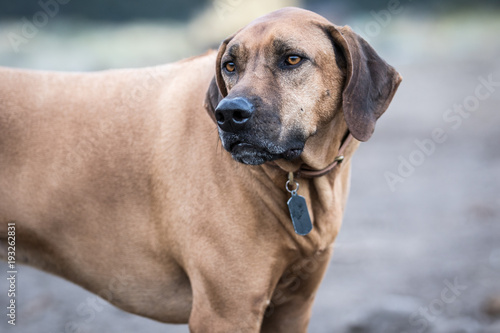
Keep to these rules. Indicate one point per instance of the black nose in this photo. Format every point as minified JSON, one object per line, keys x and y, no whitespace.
{"x":233,"y":114}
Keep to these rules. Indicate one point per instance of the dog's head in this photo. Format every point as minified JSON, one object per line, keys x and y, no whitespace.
{"x":283,"y":78}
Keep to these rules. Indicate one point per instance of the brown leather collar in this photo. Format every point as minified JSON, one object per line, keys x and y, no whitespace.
{"x":305,"y":172}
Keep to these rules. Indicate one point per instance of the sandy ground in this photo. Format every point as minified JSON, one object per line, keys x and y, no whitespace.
{"x":420,"y":255}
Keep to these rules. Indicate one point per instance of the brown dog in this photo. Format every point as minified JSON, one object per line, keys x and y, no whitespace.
{"x":115,"y":180}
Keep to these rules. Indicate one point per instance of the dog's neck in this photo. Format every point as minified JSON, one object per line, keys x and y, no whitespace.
{"x":326,"y":194}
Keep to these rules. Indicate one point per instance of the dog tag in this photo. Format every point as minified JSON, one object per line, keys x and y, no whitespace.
{"x":298,"y":211}
{"x":299,"y":214}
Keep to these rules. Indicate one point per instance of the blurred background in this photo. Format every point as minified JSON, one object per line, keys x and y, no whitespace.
{"x":419,"y":249}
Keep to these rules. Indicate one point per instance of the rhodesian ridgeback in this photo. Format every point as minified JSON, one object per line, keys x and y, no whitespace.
{"x":117,"y":180}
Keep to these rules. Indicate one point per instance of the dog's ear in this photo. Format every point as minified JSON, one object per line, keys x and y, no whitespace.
{"x":212,"y":99}
{"x":370,"y":82}
{"x":218,"y":69}
{"x":217,"y":89}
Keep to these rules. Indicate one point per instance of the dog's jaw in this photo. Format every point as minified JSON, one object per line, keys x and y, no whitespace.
{"x":249,"y":154}
{"x":252,"y":151}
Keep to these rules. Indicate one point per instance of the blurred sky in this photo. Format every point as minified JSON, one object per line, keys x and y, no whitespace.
{"x":94,"y":35}
{"x":116,"y":10}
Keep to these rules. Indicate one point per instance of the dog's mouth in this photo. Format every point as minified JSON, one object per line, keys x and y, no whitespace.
{"x":251,"y":154}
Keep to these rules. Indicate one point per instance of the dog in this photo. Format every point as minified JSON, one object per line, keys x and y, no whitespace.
{"x":207,"y":191}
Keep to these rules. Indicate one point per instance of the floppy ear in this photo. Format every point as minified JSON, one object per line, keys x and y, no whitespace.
{"x":212,"y":99}
{"x":218,"y":74}
{"x":217,"y":88}
{"x":370,"y":82}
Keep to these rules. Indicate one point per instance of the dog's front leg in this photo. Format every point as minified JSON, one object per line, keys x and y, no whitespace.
{"x":223,"y":307}
{"x":291,"y":303}
{"x":231,"y":296}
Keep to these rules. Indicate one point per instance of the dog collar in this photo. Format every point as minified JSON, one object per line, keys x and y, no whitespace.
{"x":305,"y":172}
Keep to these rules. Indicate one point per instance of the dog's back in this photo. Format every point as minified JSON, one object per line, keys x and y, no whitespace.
{"x":61,"y":131}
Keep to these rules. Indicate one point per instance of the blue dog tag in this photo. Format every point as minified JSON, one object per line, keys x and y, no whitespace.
{"x":299,"y":214}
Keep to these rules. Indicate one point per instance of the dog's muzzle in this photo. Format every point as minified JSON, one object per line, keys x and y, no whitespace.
{"x":245,"y":141}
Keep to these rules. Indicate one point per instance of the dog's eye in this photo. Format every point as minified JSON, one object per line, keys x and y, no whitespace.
{"x":230,"y":66}
{"x":293,"y":60}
